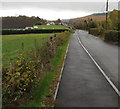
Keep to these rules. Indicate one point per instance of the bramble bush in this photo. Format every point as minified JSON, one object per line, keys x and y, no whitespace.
{"x":96,"y":31}
{"x":112,"y":35}
{"x":86,"y":25}
{"x":25,"y":74}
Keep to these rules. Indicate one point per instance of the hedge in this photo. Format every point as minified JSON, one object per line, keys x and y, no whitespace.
{"x":25,"y":74}
{"x":112,"y":35}
{"x":8,"y":31}
{"x":96,"y":31}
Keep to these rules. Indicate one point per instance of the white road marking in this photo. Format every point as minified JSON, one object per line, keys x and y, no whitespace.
{"x":101,"y":70}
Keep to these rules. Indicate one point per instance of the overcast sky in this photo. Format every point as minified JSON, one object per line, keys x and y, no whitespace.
{"x":54,"y":10}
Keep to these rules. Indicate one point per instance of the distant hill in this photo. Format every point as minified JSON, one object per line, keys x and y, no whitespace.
{"x":100,"y":14}
{"x":19,"y":22}
{"x":95,"y":16}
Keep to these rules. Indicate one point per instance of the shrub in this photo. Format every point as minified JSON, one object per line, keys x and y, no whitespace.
{"x":86,"y":25}
{"x":92,"y":24}
{"x":82,"y":26}
{"x":96,"y":31}
{"x":111,"y":35}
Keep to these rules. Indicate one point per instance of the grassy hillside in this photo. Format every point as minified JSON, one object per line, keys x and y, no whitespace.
{"x":94,"y":17}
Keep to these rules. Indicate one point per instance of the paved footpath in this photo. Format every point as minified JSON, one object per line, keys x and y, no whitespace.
{"x":82,"y":84}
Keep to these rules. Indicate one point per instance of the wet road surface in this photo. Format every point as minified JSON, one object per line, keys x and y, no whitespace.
{"x":82,"y":84}
{"x":105,"y":54}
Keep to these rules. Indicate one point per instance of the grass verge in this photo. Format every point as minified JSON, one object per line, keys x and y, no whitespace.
{"x":44,"y":93}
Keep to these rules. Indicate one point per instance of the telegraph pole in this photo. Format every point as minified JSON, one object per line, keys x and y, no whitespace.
{"x":107,"y":15}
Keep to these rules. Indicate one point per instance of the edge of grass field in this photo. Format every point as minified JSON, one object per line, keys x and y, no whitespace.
{"x":43,"y":88}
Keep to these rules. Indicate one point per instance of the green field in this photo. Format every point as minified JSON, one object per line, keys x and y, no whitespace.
{"x":13,"y":44}
{"x":51,"y":27}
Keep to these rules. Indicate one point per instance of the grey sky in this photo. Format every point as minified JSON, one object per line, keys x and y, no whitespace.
{"x":54,"y":10}
{"x":58,"y":0}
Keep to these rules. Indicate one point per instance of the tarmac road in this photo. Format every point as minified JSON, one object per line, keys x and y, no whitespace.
{"x":105,"y":54}
{"x":82,"y":84}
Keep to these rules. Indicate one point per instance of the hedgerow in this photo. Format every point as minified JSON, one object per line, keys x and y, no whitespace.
{"x":25,"y":74}
{"x":112,"y":35}
{"x":96,"y":31}
{"x":13,"y":31}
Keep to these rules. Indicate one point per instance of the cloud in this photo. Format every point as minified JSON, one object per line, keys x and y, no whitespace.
{"x":53,"y":10}
{"x":57,"y":0}
{"x":86,"y":6}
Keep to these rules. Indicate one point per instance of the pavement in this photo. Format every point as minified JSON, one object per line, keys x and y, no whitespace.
{"x":82,"y":84}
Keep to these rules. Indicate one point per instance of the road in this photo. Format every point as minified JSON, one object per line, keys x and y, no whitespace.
{"x":82,"y":84}
{"x":105,"y":54}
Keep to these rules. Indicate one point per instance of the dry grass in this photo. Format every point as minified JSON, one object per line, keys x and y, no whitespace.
{"x":94,"y":17}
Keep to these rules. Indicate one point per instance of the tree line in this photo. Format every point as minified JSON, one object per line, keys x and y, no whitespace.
{"x":20,"y":22}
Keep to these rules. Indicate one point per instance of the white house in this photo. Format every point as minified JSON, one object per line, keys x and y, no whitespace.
{"x":27,"y":28}
{"x":47,"y":24}
{"x":50,"y":23}
{"x":35,"y":27}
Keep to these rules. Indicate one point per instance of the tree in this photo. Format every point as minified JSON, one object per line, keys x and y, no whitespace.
{"x":58,"y":21}
{"x":92,"y":24}
{"x":114,"y":19}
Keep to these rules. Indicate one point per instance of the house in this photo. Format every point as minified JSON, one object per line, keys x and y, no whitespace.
{"x":70,"y":27}
{"x":50,"y":23}
{"x":35,"y":27}
{"x":28,"y":28}
{"x":60,"y":23}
